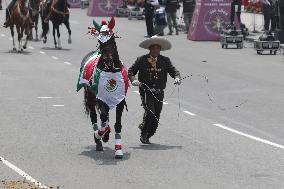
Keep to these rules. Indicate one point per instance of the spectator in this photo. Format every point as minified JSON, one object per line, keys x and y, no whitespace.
{"x":171,"y":11}
{"x":188,"y":9}
{"x":269,"y":14}
{"x":236,"y":6}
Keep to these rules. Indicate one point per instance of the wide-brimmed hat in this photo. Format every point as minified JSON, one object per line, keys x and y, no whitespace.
{"x":155,"y":40}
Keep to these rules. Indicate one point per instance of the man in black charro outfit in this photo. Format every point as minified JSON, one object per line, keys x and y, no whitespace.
{"x":152,"y":70}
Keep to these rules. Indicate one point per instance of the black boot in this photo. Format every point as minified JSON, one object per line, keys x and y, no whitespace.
{"x":144,"y":139}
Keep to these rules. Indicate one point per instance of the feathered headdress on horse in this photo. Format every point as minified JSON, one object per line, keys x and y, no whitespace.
{"x":104,"y":31}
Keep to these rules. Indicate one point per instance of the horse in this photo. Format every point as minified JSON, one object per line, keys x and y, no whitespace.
{"x":58,"y":13}
{"x":20,"y":17}
{"x":35,"y":5}
{"x":105,"y":83}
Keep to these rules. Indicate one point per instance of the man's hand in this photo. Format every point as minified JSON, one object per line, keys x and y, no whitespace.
{"x":135,"y":83}
{"x":177,"y":81}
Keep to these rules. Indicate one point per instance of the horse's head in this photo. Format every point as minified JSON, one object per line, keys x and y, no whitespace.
{"x":24,"y":4}
{"x":106,"y":38}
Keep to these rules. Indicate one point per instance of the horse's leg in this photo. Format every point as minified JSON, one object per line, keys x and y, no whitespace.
{"x":19,"y":38}
{"x":27,"y":31}
{"x":13,"y":33}
{"x":104,"y":129}
{"x":55,"y":43}
{"x":36,"y":23}
{"x":90,"y":106}
{"x":58,"y":36}
{"x":117,"y":127}
{"x":66,"y":23}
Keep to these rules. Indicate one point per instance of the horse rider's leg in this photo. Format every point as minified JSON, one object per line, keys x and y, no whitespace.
{"x":13,"y":37}
{"x":117,"y":127}
{"x":149,"y":107}
{"x":58,"y":36}
{"x":67,"y":24}
{"x":104,"y":129}
{"x":55,"y":43}
{"x":158,"y":108}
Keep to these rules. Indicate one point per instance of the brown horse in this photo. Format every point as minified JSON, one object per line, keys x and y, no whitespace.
{"x":20,"y":17}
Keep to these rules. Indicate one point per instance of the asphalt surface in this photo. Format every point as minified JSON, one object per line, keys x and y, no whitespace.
{"x":230,"y":137}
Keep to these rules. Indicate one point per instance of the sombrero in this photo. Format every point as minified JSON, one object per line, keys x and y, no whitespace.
{"x":155,"y":40}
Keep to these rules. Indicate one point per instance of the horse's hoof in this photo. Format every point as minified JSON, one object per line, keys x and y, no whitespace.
{"x":69,"y":41}
{"x":44,"y":41}
{"x":99,"y":148}
{"x":14,"y":49}
{"x":118,"y":154}
{"x":59,"y":48}
{"x":24,"y":47}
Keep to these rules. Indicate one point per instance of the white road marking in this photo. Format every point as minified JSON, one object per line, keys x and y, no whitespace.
{"x":30,"y":47}
{"x":68,"y":63}
{"x":189,"y":113}
{"x":23,"y":174}
{"x":54,"y":57}
{"x":58,"y":105}
{"x":249,"y":136}
{"x":3,"y":35}
{"x":136,"y":92}
{"x":45,"y":97}
{"x":41,"y":52}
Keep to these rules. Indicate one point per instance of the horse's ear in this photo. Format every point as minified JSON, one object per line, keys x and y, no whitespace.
{"x":97,"y":26}
{"x":111,"y":23}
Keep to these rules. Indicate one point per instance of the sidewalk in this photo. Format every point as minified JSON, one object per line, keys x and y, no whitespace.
{"x":255,"y":24}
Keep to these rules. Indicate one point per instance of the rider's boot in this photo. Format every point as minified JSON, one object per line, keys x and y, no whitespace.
{"x":7,"y":22}
{"x":118,"y":146}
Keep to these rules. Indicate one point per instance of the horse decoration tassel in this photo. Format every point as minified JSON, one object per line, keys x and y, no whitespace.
{"x":105,"y":82}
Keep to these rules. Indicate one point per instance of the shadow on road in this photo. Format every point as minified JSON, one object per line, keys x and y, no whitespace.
{"x":105,"y":157}
{"x":16,"y":52}
{"x":154,"y":146}
{"x":50,"y":48}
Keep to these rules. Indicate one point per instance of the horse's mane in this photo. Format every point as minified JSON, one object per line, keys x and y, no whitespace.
{"x":115,"y":55}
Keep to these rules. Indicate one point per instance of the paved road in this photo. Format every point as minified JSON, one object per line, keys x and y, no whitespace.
{"x":227,"y":133}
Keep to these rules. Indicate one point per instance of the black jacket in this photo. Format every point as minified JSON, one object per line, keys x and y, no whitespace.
{"x":172,"y":5}
{"x":153,"y":78}
{"x":188,"y":6}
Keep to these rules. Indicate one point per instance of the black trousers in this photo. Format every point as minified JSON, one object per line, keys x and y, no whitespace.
{"x":152,"y":104}
{"x":233,"y":11}
{"x":269,"y":18}
{"x":149,"y":23}
{"x":104,"y":113}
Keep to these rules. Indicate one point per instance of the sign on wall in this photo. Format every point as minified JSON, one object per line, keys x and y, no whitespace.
{"x":74,"y":3}
{"x":103,"y":7}
{"x":210,"y":17}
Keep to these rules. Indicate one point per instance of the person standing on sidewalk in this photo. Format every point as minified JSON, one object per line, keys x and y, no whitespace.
{"x":152,"y":69}
{"x":1,"y":5}
{"x":171,"y":11}
{"x":236,"y":6}
{"x":269,"y":14}
{"x":188,"y":9}
{"x":149,"y":15}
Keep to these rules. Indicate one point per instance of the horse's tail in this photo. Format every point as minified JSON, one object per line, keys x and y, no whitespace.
{"x":86,"y":100}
